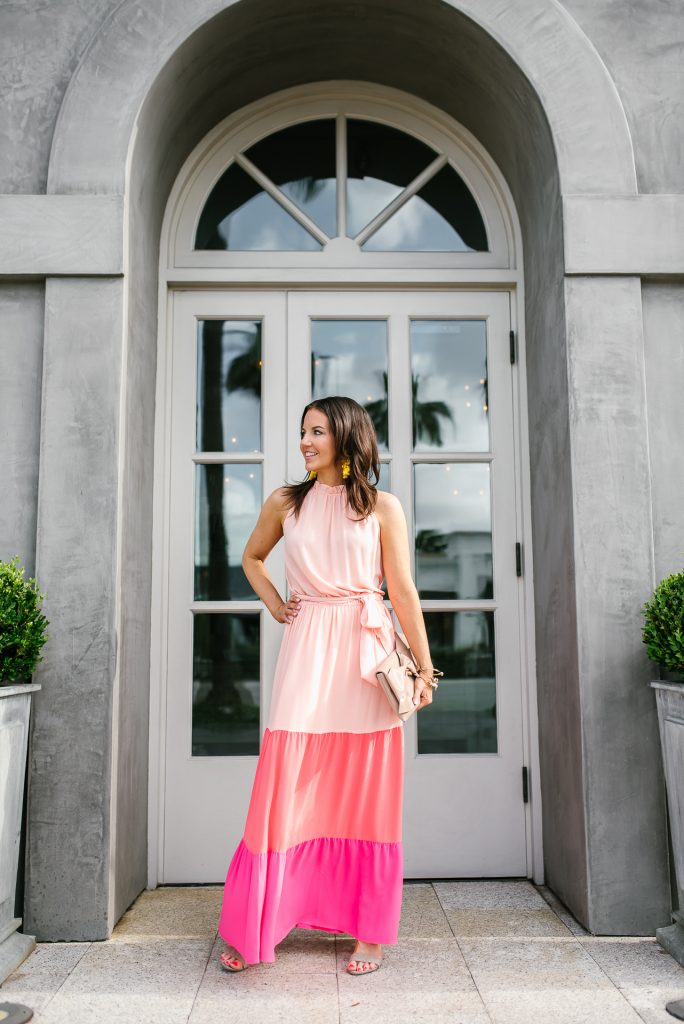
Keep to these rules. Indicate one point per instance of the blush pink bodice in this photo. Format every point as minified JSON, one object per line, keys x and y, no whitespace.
{"x":332,"y":554}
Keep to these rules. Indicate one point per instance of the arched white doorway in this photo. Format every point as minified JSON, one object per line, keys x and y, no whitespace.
{"x":344,"y":238}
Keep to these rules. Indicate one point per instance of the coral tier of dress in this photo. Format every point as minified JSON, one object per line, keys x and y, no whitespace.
{"x":322,"y":846}
{"x":326,"y":784}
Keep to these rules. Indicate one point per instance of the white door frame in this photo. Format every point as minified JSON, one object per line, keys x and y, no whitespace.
{"x":160,"y":610}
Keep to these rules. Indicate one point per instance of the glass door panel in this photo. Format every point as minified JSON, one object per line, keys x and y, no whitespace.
{"x":228,"y":386}
{"x":453,"y":531}
{"x":349,"y":357}
{"x":226,"y":695}
{"x":449,"y":385}
{"x":462,"y":717}
{"x":228,"y":499}
{"x":226,"y":453}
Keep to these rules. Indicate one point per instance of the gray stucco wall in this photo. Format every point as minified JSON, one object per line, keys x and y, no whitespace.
{"x":640,"y":41}
{"x":663,"y":310}
{"x":67,"y":855}
{"x":431,"y":51}
{"x":558,"y":688}
{"x":21,"y":361}
{"x":40,"y":47}
{"x":614,"y":573}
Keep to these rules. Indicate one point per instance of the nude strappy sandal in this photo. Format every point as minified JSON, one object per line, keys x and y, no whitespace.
{"x":363,"y":960}
{"x":225,"y":959}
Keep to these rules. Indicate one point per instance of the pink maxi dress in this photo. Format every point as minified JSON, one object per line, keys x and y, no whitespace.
{"x":322,"y":843}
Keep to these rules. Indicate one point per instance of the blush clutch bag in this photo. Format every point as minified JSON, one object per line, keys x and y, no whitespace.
{"x":396,"y":675}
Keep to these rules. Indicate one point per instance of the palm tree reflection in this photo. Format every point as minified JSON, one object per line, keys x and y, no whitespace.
{"x":222,"y":723}
{"x":425,"y":415}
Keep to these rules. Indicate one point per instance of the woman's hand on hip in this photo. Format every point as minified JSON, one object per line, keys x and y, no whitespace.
{"x":287,"y":610}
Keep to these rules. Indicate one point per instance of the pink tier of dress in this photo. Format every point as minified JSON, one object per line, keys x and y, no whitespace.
{"x":322,"y":843}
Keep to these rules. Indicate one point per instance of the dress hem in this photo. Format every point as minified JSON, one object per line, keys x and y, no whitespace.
{"x":357,"y":884}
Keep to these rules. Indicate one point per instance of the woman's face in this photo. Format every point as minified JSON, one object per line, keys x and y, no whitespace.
{"x":316,"y":442}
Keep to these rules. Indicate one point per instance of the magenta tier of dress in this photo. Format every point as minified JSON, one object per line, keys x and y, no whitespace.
{"x":322,"y":844}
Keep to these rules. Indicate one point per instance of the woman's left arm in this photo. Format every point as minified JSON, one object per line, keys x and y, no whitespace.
{"x":401,"y":589}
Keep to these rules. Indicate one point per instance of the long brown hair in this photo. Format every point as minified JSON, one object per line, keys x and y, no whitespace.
{"x":354,"y":435}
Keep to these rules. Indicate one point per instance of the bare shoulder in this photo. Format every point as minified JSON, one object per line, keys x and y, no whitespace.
{"x":388,"y":508}
{"x":277,"y":497}
{"x":274,"y":507}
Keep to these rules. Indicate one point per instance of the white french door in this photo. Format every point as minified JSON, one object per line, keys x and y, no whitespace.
{"x":433,"y":370}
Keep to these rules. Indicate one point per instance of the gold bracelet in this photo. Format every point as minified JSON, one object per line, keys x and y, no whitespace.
{"x":431,"y":680}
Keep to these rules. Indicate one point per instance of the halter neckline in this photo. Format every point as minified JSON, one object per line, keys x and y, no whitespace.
{"x":329,"y":487}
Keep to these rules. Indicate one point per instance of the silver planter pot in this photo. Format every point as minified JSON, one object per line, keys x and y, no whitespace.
{"x":15,"y":710}
{"x":670,"y":701}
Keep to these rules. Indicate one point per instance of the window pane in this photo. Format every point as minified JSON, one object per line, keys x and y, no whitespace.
{"x":449,"y":382}
{"x":349,"y":357}
{"x":381,"y":162}
{"x":462,"y":716}
{"x":225,"y":685}
{"x":240,"y":216}
{"x":453,"y":531}
{"x":442,"y":217}
{"x":384,"y":484}
{"x":300,"y":160}
{"x":228,"y":386}
{"x":384,"y":481}
{"x":227,"y":505}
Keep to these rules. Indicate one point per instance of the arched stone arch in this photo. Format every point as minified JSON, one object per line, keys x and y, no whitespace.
{"x":526,"y":82}
{"x":119,"y":69}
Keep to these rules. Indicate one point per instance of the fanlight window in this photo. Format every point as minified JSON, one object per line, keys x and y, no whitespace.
{"x":299,"y":187}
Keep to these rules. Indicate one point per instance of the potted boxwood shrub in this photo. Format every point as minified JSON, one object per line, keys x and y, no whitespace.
{"x":663,"y":634}
{"x":22,"y":636}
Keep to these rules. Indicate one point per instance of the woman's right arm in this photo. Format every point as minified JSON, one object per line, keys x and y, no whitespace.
{"x":261,"y":541}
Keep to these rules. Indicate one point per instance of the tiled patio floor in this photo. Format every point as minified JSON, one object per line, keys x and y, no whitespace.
{"x":494,"y":952}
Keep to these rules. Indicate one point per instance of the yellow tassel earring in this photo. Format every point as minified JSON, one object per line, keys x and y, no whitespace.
{"x":312,"y":474}
{"x":346,"y":467}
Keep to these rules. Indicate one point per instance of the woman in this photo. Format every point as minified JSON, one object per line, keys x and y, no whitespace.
{"x":322,"y":842}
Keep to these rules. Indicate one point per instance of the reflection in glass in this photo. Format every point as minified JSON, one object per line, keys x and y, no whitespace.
{"x":239,"y":215}
{"x":442,"y":217}
{"x":225,"y":685}
{"x":384,"y":481}
{"x":384,"y":485}
{"x":349,"y":357}
{"x":381,"y":162}
{"x":462,"y":717}
{"x":449,"y":383}
{"x":228,"y":386}
{"x":227,"y":505}
{"x":300,"y":160}
{"x":453,"y":531}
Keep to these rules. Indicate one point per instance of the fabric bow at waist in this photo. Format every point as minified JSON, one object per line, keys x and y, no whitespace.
{"x":377,"y":629}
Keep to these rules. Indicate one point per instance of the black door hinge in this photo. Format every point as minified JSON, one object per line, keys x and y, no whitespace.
{"x":511,"y":338}
{"x":526,"y":791}
{"x":518,"y":558}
